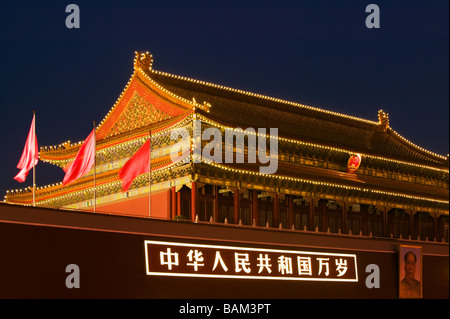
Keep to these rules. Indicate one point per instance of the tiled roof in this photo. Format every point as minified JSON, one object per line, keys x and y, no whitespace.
{"x":243,"y":109}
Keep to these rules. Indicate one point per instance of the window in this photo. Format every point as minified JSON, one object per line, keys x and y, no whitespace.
{"x":398,"y":223}
{"x":266,"y":211}
{"x":226,"y":207}
{"x":354,"y":219}
{"x":205,"y":199}
{"x":443,"y":228}
{"x":425,"y":225}
{"x":334,"y":213}
{"x":301,"y":213}
{"x":375,"y":221}
{"x":284,"y":213}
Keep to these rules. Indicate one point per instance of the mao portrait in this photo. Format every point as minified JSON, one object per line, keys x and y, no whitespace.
{"x":410,"y":271}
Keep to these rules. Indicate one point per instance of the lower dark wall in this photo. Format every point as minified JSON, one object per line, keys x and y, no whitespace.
{"x":436,"y":273}
{"x":33,"y":260}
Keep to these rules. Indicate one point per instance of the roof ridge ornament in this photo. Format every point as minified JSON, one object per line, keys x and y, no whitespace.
{"x":143,"y":60}
{"x":383,"y":120}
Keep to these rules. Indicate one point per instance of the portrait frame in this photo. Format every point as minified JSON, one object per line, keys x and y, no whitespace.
{"x":410,"y":271}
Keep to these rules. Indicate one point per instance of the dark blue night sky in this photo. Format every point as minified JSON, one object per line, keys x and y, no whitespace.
{"x":318,"y":53}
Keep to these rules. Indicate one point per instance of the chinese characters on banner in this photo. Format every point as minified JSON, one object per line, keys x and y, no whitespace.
{"x":198,"y":260}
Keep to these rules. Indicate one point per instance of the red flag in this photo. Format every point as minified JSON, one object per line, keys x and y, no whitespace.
{"x":66,"y":168}
{"x":83,"y":161}
{"x":30,"y":155}
{"x":135,"y":166}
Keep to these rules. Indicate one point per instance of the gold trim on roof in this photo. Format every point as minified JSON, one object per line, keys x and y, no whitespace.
{"x":313,"y":182}
{"x":218,"y":125}
{"x":383,"y":118}
{"x":143,"y":66}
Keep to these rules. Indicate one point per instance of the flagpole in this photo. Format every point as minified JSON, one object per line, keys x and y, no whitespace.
{"x":34,"y":170}
{"x":150,"y":175}
{"x":95,"y":171}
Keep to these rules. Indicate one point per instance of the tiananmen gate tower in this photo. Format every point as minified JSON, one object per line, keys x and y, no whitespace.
{"x":397,"y":194}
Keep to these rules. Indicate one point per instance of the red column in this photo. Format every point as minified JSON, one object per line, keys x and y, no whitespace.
{"x":323,"y":222}
{"x":385,"y":222}
{"x":291,"y":211}
{"x":411,"y":224}
{"x":311,"y":214}
{"x":365,"y":219}
{"x":344,"y":218}
{"x":255,"y":207}
{"x":216,"y":203}
{"x":236,"y":206}
{"x":174,"y":202}
{"x":179,"y":203}
{"x":276,"y":211}
{"x":435,"y":226}
{"x":194,"y":200}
